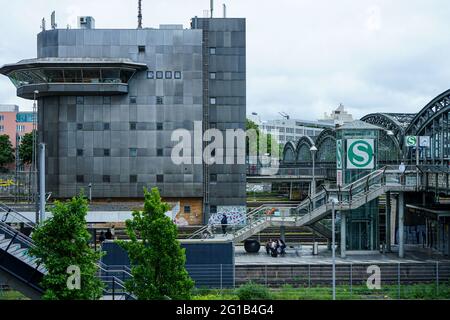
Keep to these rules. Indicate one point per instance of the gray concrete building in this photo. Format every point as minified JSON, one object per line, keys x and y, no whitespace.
{"x":109,"y":100}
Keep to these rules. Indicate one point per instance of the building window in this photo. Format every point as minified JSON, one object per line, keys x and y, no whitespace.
{"x":80,"y":179}
{"x":141,"y":49}
{"x":106,"y":179}
{"x":213,"y":177}
{"x":106,"y":100}
{"x":133,"y":178}
{"x":133,"y":100}
{"x":79,"y":152}
{"x":106,"y":152}
{"x":132,"y":126}
{"x":212,"y":76}
{"x":159,"y":74}
{"x":133,"y":152}
{"x":79,"y":126}
{"x":2,"y":128}
{"x":159,"y":178}
{"x":212,"y":51}
{"x":187,"y":209}
{"x":177,"y":74}
{"x":159,"y":100}
{"x":213,"y":101}
{"x":213,"y":209}
{"x":20,"y":128}
{"x":150,"y":75}
{"x":159,"y":126}
{"x":168,"y":74}
{"x":80,"y":100}
{"x":106,"y":126}
{"x":2,"y":117}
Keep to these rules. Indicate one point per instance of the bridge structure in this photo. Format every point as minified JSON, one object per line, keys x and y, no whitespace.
{"x":403,"y":192}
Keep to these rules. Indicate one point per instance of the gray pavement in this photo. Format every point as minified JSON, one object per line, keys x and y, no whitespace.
{"x":303,"y":256}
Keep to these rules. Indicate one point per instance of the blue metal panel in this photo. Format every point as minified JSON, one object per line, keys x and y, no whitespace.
{"x":209,"y":264}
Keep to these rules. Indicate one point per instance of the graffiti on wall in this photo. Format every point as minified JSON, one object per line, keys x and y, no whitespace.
{"x":235,"y":215}
{"x":175,"y":214}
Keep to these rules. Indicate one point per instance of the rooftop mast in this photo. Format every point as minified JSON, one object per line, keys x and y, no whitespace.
{"x":140,"y":14}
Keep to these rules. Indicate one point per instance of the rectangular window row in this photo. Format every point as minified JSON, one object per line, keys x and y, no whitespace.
{"x":163,"y":75}
{"x":133,"y":152}
{"x":159,"y":100}
{"x":133,"y":178}
{"x":106,"y":126}
{"x":106,"y":100}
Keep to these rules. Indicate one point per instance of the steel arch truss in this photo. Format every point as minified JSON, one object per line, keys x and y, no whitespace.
{"x":433,"y":110}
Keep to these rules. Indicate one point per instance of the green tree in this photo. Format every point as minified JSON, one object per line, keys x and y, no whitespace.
{"x":62,"y":242}
{"x":26,"y":148}
{"x":157,"y":259}
{"x":252,"y":147}
{"x":6,"y":151}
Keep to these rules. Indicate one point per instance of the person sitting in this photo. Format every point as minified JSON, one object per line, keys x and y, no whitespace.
{"x":282,"y":246}
{"x":274,"y":249}
{"x":268,"y":245}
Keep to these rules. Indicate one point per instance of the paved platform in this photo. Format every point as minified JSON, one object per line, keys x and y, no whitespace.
{"x":304,"y":256}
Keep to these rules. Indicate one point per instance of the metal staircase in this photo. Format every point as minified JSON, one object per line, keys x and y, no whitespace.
{"x":25,"y":274}
{"x":312,"y":210}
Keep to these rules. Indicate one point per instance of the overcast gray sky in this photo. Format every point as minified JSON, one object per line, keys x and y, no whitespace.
{"x":304,"y":57}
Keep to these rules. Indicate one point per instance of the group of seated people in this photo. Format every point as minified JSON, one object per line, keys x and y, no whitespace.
{"x":275,"y":247}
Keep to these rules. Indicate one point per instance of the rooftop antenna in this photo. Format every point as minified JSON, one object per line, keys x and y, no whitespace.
{"x":140,"y":14}
{"x":224,"y":10}
{"x":212,"y":8}
{"x":43,"y":24}
{"x":53,"y":20}
{"x":284,"y":115}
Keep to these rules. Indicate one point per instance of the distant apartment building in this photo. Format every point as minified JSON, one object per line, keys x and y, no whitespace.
{"x":15,"y":124}
{"x":285,"y":130}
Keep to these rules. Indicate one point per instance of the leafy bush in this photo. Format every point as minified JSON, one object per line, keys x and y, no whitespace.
{"x":252,"y":291}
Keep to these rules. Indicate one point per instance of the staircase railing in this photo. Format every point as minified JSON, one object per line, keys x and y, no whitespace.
{"x":11,"y":216}
{"x":346,"y":195}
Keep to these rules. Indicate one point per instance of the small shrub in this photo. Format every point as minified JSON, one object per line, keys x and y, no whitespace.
{"x":252,"y":291}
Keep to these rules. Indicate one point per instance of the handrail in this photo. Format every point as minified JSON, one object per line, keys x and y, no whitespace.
{"x":24,"y":239}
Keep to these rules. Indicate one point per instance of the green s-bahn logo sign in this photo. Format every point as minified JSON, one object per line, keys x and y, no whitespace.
{"x":360,"y":154}
{"x":411,"y":141}
{"x":339,"y":154}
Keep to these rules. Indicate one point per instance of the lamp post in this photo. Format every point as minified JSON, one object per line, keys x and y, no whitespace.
{"x":313,"y":150}
{"x":34,"y":156}
{"x":334,"y":201}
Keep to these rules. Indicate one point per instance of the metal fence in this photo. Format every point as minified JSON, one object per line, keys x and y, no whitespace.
{"x":16,"y":186}
{"x":314,"y":281}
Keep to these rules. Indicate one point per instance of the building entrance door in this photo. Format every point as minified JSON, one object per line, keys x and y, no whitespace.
{"x":360,"y":235}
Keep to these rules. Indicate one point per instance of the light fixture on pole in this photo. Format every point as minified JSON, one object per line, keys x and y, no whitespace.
{"x":313,"y":150}
{"x":34,"y":156}
{"x":334,"y":202}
